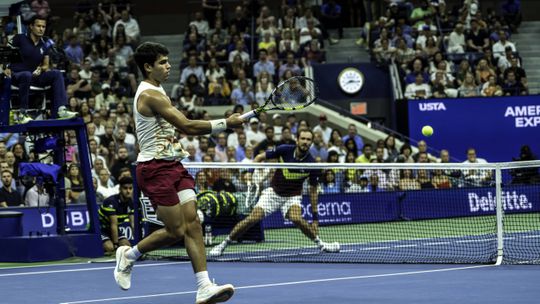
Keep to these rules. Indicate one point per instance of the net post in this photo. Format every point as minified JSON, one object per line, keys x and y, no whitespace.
{"x":499,"y":208}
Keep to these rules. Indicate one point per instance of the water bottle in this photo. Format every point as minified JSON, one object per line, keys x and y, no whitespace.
{"x":208,"y":240}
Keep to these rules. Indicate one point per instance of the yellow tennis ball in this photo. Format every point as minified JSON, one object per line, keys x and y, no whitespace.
{"x":427,"y":131}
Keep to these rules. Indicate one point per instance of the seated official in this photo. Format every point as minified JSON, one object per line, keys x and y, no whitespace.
{"x":34,"y":69}
{"x":116,"y":217}
{"x":9,"y":197}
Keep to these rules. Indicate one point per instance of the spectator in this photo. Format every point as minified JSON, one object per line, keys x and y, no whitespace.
{"x":330,"y":17}
{"x":417,"y":67}
{"x":516,"y":68}
{"x":309,"y":32}
{"x":456,"y":40}
{"x":37,"y":196}
{"x":105,"y":187}
{"x":477,"y":38}
{"x":286,"y":137}
{"x":464,"y":68}
{"x":491,"y":88}
{"x":287,"y":43}
{"x":440,"y":180}
{"x":239,"y":50}
{"x":323,"y":128}
{"x":269,"y":142}
{"x":367,"y":154}
{"x":353,"y":133}
{"x":122,"y":161}
{"x":513,"y":87}
{"x":422,"y":149}
{"x":263,"y":90}
{"x":242,"y":95}
{"x":418,"y":89}
{"x":329,"y":184}
{"x":254,"y":135}
{"x":511,"y":10}
{"x":358,"y":184}
{"x":407,"y":181}
{"x":192,"y":69}
{"x":483,"y":71}
{"x":201,"y":24}
{"x":499,"y":48}
{"x":469,"y":88}
{"x":263,"y":64}
{"x":525,"y":175}
{"x":9,"y":197}
{"x":390,"y":151}
{"x":475,"y":177}
{"x":385,"y":54}
{"x":73,"y":183}
{"x":318,"y":147}
{"x":41,"y":8}
{"x":131,"y":28}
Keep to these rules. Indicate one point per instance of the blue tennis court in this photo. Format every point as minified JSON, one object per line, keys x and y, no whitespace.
{"x":173,"y":282}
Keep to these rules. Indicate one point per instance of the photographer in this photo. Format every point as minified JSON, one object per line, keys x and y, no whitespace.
{"x":34,"y":69}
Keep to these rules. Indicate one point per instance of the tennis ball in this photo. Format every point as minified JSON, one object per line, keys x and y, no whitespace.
{"x":427,"y":131}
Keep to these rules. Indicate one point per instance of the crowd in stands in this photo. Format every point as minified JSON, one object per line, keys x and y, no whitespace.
{"x":220,"y":66}
{"x":448,"y":52}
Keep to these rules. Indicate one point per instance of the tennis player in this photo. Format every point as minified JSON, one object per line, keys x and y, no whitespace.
{"x":161,"y":176}
{"x":285,"y":194}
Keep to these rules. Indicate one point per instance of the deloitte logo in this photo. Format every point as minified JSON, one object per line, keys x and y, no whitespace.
{"x":510,"y":200}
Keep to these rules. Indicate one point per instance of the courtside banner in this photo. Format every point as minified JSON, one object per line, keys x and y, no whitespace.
{"x":355,"y":208}
{"x":496,"y":127}
{"x":43,"y":220}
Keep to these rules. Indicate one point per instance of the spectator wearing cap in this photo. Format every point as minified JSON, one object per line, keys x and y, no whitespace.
{"x":253,"y":134}
{"x":106,"y":99}
{"x":323,"y":128}
{"x":277,"y":122}
{"x":318,"y":147}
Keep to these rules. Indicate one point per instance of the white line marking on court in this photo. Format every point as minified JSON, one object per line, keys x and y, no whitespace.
{"x":287,"y":283}
{"x":406,"y":246}
{"x":83,"y":269}
{"x":48,"y":265}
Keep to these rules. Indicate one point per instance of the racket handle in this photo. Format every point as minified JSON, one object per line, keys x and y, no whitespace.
{"x":248,"y":115}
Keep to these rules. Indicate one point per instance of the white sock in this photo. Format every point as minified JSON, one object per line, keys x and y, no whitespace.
{"x":202,"y":279}
{"x":317,"y":241}
{"x":133,"y":253}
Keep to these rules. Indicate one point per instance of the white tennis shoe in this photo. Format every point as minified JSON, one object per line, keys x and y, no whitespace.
{"x":218,"y":250}
{"x":122,"y":271}
{"x":213,"y":293}
{"x":329,"y":247}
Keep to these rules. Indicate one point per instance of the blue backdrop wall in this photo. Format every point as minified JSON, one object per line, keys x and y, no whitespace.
{"x":496,"y":127}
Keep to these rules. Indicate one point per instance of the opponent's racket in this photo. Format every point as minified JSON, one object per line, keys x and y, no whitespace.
{"x":292,"y":94}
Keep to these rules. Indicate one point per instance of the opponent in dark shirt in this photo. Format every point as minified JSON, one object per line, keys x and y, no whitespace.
{"x":34,"y":70}
{"x":285,"y":194}
{"x":116,"y":217}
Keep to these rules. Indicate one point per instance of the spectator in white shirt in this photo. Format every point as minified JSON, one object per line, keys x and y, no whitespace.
{"x":322,"y":127}
{"x":193,"y":68}
{"x":104,"y":187}
{"x":475,"y":177}
{"x":201,"y":24}
{"x":418,"y":89}
{"x":456,"y":40}
{"x":131,"y":27}
{"x":254,"y":135}
{"x":37,"y":196}
{"x":239,"y":50}
{"x":500,"y":46}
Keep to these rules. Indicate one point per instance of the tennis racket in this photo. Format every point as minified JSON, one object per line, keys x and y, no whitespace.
{"x":292,"y":94}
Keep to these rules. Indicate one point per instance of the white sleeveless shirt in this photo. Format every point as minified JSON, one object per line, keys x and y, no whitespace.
{"x":155,"y":134}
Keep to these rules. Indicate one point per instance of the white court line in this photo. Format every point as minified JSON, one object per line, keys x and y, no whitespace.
{"x":83,"y":269}
{"x":285,"y":284}
{"x":44,"y":265}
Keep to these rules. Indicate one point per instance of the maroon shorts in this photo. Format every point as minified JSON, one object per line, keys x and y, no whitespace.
{"x":161,"y":180}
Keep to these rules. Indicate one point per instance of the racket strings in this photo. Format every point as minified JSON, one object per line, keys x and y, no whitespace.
{"x":295,"y":92}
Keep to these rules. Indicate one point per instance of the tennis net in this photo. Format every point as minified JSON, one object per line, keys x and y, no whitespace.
{"x":377,"y":213}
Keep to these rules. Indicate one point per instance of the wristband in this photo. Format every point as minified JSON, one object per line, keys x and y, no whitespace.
{"x":315,"y":216}
{"x":218,"y":125}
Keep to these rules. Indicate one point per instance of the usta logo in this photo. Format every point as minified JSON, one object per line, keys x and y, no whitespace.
{"x":431,"y":106}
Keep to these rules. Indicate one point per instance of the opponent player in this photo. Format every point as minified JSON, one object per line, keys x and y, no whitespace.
{"x":162,"y":177}
{"x":285,"y":194}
